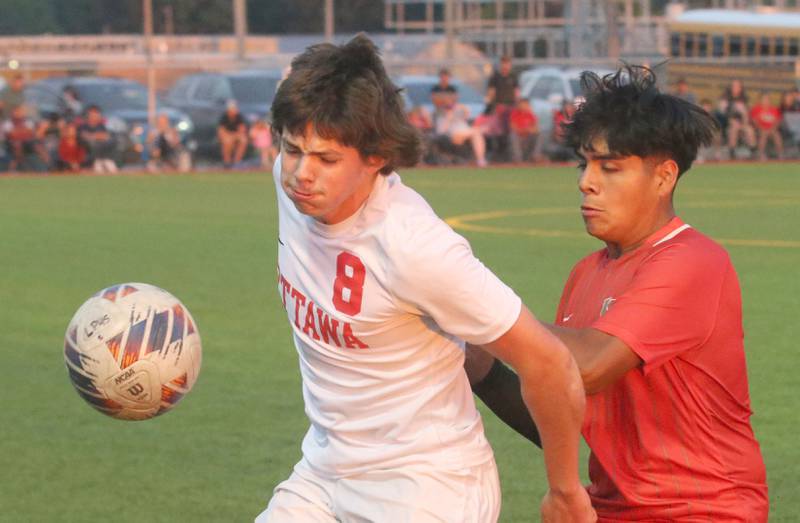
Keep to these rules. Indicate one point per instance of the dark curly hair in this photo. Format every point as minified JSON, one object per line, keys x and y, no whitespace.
{"x":346,"y":95}
{"x":627,"y":110}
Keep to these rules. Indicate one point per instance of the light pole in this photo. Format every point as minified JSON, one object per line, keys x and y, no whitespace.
{"x":147,"y":9}
{"x":329,"y":21}
{"x":240,"y":27}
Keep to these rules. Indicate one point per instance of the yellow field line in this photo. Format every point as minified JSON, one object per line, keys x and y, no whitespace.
{"x":466,"y":222}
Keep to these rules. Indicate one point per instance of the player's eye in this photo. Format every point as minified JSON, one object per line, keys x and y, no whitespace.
{"x":288,"y":149}
{"x":328,"y":161}
{"x":581,"y":166}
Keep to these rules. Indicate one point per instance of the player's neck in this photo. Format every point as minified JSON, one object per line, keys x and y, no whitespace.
{"x":619,"y":249}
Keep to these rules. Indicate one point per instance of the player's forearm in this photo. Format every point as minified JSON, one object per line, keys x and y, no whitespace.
{"x":555,"y":398}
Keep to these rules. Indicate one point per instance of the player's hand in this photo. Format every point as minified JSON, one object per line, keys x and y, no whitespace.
{"x":573,"y":506}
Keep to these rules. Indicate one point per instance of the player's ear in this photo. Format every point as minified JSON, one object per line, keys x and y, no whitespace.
{"x":666,"y":172}
{"x":375,"y":163}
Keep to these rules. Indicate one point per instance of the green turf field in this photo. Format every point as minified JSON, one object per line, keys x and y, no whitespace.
{"x":210,"y":239}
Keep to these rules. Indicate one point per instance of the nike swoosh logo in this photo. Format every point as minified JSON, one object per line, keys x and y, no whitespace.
{"x":279,"y":240}
{"x":566,"y":318}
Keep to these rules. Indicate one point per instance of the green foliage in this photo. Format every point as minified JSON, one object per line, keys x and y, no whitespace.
{"x":189,"y":16}
{"x":22,"y":17}
{"x":211,"y":240}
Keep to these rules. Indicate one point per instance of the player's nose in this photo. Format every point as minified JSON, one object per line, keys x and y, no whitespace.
{"x":588,"y":180}
{"x":304,"y":171}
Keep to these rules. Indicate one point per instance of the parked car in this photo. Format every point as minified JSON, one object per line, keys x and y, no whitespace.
{"x":203,"y":97}
{"x":123,"y":103}
{"x":548,"y":87}
{"x":417,"y":91}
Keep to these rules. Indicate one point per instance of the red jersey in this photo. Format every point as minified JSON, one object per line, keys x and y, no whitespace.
{"x":671,"y":440}
{"x":521,"y":121}
{"x":765,"y":118}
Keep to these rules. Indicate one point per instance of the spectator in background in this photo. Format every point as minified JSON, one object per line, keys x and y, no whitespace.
{"x":737,"y":115}
{"x":48,"y":133}
{"x":789,"y":102}
{"x":443,"y":93}
{"x":711,"y":151}
{"x":12,"y":96}
{"x":492,"y":130}
{"x":682,"y":91}
{"x":790,"y":119}
{"x":261,"y":138}
{"x":452,"y":122}
{"x":166,"y":148}
{"x":4,"y":159}
{"x":99,"y":143}
{"x":73,"y":106}
{"x":503,"y":92}
{"x":71,"y":153}
{"x":559,"y":151}
{"x":25,"y":150}
{"x":767,"y":119}
{"x":232,"y":135}
{"x":524,"y":131}
{"x":421,"y":120}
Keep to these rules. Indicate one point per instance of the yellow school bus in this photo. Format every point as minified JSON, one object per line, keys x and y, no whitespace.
{"x":711,"y":47}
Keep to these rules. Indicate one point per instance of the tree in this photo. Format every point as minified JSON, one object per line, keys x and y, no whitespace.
{"x":307,"y":16}
{"x":22,"y":17}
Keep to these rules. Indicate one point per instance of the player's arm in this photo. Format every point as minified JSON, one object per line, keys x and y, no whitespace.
{"x":551,"y":388}
{"x":602,"y":358}
{"x":499,"y":389}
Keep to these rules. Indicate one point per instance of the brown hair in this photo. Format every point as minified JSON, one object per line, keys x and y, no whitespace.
{"x":346,"y":95}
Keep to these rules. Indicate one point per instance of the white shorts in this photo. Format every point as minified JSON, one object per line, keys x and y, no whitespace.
{"x":408,"y":495}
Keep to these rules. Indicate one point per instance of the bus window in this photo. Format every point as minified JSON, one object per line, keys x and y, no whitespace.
{"x":702,"y":47}
{"x":779,"y":49}
{"x":792,"y":48}
{"x":688,"y":44}
{"x":764,"y":46}
{"x":734,"y":45}
{"x":675,"y":44}
{"x":717,"y":45}
{"x":751,"y":46}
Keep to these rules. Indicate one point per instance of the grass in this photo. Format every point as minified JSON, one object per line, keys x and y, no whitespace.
{"x":210,"y":239}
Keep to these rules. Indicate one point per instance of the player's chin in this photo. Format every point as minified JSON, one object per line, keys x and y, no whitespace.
{"x":306,"y":208}
{"x":594,"y":228}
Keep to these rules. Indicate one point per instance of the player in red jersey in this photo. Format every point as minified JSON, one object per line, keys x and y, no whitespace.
{"x":654,"y":321}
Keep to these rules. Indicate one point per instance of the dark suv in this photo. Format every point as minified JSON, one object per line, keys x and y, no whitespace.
{"x":203,"y":97}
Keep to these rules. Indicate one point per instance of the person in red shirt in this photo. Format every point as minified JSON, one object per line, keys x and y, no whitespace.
{"x":71,"y":153}
{"x":524,"y":131}
{"x":767,"y":119}
{"x":654,"y":321}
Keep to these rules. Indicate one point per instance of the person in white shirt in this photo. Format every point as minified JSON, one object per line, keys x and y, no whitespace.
{"x":381,"y":295}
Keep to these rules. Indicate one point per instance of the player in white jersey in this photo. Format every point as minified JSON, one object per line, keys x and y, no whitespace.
{"x":380,"y":294}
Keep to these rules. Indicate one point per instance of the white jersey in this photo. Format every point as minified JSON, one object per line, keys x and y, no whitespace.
{"x":379,"y":305}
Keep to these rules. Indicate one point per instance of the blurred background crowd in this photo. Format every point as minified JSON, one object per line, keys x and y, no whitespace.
{"x":484,"y":81}
{"x":64,"y":124}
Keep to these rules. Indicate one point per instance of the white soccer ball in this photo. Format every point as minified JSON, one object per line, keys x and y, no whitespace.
{"x":132,"y":351}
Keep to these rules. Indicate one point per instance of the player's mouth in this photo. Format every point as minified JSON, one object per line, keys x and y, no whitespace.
{"x":587,"y":211}
{"x":298,"y":195}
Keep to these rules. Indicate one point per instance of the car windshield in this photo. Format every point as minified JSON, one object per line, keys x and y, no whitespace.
{"x":420,"y":93}
{"x":114,"y":96}
{"x":254,"y":89}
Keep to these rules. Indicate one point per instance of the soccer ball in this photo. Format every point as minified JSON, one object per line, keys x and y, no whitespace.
{"x":132,"y":351}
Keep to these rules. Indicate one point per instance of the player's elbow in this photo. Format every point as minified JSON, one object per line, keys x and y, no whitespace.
{"x":594,"y":376}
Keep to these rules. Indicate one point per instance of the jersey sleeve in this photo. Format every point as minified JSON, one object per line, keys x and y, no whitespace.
{"x":436,"y":274}
{"x":671,"y":305}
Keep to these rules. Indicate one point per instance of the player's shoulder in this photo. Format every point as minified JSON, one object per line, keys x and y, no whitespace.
{"x":691,"y":249}
{"x":411,"y":228}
